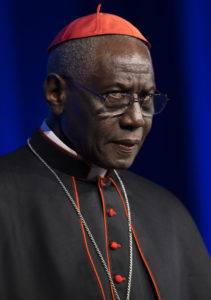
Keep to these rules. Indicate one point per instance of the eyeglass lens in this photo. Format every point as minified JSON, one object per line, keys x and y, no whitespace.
{"x":150,"y":105}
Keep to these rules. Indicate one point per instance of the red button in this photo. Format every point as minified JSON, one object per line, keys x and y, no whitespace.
{"x":114,"y":245}
{"x":102,"y":183}
{"x":119,"y":278}
{"x":111,"y":212}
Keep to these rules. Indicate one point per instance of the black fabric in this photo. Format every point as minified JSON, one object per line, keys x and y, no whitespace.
{"x":42,"y":250}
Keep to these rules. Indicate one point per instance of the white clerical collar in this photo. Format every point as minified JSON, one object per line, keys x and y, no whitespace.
{"x":95,"y":170}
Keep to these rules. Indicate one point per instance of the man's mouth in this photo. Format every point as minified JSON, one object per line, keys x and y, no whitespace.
{"x":127,"y":145}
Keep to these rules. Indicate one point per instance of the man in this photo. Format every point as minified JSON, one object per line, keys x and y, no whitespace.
{"x":72,"y":227}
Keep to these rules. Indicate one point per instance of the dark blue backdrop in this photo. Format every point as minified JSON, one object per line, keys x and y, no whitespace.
{"x":177,"y":153}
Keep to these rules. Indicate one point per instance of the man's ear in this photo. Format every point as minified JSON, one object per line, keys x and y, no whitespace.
{"x":55,"y":90}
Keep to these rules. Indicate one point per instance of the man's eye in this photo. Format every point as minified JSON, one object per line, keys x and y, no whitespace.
{"x":116,"y":100}
{"x":147,"y":104}
{"x":147,"y":99}
{"x":116,"y":95}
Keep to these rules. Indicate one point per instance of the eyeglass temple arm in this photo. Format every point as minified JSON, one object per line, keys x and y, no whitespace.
{"x":87,"y":89}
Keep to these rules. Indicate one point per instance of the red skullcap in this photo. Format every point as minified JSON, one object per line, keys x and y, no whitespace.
{"x":97,"y":24}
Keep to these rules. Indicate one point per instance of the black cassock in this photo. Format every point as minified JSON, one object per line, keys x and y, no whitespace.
{"x":46,"y":254}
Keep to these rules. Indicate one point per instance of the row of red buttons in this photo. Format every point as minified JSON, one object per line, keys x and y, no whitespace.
{"x":114,"y":246}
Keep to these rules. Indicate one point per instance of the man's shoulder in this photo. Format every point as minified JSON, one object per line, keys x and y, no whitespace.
{"x":147,"y":194}
{"x":144,"y":185}
{"x":12,"y":160}
{"x":20,"y":174}
{"x":17,"y":162}
{"x":156,"y":205}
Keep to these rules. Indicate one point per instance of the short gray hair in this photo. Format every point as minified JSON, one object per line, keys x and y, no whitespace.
{"x":74,"y":58}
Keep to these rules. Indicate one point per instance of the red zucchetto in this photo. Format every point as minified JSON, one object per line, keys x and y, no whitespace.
{"x":97,"y":24}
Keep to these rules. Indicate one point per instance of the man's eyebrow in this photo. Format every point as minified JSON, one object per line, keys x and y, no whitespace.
{"x":152,"y":89}
{"x":128,"y":89}
{"x":129,"y":86}
{"x":118,"y":84}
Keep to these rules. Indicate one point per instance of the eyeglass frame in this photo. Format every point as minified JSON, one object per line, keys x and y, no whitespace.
{"x":139,"y":99}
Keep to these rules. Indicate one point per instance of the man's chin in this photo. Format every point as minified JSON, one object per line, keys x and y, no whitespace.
{"x":116,"y":163}
{"x":123,"y":165}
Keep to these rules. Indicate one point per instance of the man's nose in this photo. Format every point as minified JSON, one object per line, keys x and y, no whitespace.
{"x":133,"y":117}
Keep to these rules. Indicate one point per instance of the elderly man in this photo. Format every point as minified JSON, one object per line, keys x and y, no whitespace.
{"x":72,"y":227}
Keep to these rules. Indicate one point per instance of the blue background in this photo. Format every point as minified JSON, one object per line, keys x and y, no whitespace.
{"x":177,"y":152}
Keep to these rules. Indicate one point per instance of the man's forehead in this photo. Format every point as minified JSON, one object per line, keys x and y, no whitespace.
{"x":123,"y":70}
{"x":125,"y":55}
{"x":134,"y":65}
{"x":132,"y":59}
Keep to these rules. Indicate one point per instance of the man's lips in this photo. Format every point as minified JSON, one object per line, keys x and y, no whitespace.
{"x":127,"y":145}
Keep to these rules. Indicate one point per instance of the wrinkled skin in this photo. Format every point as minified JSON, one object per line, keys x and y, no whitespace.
{"x":109,"y":142}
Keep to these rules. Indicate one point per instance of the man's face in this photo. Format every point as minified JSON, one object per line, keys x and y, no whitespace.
{"x":122,"y":65}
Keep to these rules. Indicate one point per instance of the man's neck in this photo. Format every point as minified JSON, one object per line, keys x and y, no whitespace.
{"x":54,"y":124}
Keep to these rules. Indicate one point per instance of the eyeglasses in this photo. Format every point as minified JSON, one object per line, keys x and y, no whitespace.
{"x":117,"y":103}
